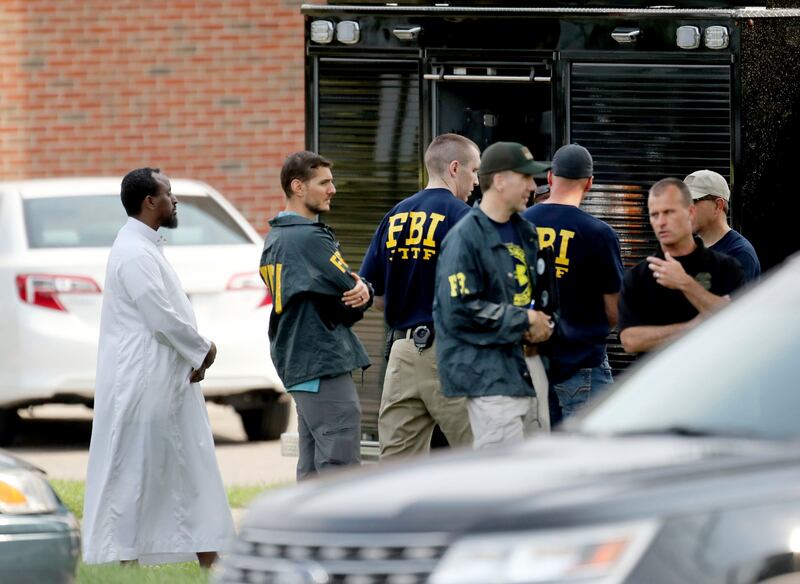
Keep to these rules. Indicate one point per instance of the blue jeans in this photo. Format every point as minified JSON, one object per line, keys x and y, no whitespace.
{"x":580,"y":388}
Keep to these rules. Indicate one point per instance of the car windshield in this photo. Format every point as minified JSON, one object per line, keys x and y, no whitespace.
{"x":737,"y":374}
{"x":93,"y":221}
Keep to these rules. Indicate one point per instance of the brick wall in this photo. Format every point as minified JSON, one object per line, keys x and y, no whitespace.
{"x":204,"y":89}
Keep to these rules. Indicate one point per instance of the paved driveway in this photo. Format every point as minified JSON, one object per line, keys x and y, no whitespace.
{"x":56,"y":438}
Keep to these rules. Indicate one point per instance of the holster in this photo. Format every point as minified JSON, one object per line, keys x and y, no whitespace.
{"x":422,"y":336}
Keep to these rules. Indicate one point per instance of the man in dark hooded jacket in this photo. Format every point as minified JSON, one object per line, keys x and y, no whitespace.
{"x":486,"y":303}
{"x":316,"y":299}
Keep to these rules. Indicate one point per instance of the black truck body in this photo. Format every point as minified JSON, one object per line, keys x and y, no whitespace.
{"x":650,"y":91}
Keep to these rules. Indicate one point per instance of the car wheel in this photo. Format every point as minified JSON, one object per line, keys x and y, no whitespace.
{"x":267,"y":422}
{"x":8,"y":425}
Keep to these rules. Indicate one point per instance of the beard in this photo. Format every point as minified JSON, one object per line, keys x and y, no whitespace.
{"x":170,"y":222}
{"x":317,"y":209}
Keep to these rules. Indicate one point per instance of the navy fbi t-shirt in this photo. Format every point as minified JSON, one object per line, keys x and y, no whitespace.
{"x":401,"y":260}
{"x":588,"y":265}
{"x":510,"y":237}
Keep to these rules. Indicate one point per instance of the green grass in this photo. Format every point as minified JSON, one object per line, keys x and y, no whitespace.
{"x":189,"y":573}
{"x":240,"y":496}
{"x":71,"y":492}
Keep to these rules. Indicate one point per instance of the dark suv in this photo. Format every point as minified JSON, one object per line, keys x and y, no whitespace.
{"x":688,"y":472}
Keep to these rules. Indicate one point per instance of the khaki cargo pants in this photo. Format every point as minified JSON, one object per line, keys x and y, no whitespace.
{"x":412,"y":404}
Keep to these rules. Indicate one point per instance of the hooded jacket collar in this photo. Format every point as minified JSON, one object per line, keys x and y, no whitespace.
{"x":290,"y":219}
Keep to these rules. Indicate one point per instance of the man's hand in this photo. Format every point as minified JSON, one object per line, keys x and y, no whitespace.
{"x":669,"y":272}
{"x":358,"y":295}
{"x":197,"y":375}
{"x":540,"y":327}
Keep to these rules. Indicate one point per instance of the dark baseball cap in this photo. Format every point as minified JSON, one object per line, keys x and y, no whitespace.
{"x":573,"y":161}
{"x":510,"y":156}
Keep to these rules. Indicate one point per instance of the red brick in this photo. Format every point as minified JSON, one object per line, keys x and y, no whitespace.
{"x":93,"y":108}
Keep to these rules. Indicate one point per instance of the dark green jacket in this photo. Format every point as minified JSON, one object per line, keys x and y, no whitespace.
{"x":478,"y":327}
{"x":309,"y":329}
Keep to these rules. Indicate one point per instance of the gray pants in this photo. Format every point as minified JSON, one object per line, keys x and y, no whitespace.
{"x":501,"y":419}
{"x":329,"y":426}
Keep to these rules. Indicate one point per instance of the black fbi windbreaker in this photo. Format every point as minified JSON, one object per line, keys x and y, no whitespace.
{"x":309,"y":328}
{"x":478,"y":328}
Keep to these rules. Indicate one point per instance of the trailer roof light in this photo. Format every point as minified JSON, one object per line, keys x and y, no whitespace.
{"x":322,"y":31}
{"x":716,"y":37}
{"x":348,"y":32}
{"x":688,"y":37}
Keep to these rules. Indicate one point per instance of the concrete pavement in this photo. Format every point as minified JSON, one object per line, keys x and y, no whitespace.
{"x":56,"y":438}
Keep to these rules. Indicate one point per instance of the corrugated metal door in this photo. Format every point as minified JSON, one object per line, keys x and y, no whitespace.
{"x":368,"y":124}
{"x":644,"y":122}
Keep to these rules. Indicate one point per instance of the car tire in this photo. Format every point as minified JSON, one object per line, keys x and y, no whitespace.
{"x":267,"y":422}
{"x":8,"y":425}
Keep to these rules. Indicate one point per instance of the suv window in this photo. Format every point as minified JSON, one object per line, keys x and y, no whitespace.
{"x":93,"y":221}
{"x":739,"y":373}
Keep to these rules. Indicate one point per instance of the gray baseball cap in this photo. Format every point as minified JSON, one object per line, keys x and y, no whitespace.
{"x":703,"y":183}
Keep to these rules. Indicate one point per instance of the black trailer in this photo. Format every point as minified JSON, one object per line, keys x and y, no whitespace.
{"x":650,"y":91}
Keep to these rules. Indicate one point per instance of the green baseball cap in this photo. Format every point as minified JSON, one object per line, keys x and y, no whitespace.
{"x":511,"y":156}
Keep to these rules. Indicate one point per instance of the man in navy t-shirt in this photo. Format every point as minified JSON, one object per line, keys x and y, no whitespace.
{"x":589,"y":276}
{"x":401,"y":261}
{"x":711,"y":197}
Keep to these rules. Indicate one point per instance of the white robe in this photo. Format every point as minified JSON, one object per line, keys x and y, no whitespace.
{"x":153,"y":490}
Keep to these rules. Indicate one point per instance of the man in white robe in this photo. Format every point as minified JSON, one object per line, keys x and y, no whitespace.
{"x":154,"y":493}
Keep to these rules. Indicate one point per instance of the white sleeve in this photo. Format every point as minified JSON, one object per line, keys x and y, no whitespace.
{"x":141,"y":279}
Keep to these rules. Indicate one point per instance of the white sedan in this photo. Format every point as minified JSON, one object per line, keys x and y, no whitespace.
{"x":55,"y":236}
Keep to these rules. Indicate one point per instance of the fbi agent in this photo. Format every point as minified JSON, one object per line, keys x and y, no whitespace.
{"x":401,"y":263}
{"x":485,"y":285}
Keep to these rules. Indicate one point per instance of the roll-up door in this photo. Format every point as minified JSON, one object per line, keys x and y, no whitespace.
{"x":368,"y":124}
{"x":644,"y":122}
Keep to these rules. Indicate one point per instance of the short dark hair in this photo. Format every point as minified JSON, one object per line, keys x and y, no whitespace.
{"x":444,"y":149}
{"x":136,"y":186}
{"x":301,"y":165}
{"x":665,"y":183}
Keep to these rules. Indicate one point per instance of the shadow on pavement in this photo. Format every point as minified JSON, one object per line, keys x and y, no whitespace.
{"x":53,"y":433}
{"x":74,"y":433}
